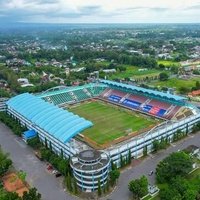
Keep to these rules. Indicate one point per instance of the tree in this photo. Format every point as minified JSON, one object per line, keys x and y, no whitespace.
{"x":46,"y":144}
{"x":75,"y":186}
{"x":176,"y":164}
{"x":114,"y":175}
{"x":145,"y":151}
{"x":107,"y":186}
{"x":169,"y":194}
{"x":129,"y":156}
{"x":156,"y":145}
{"x":139,"y":187}
{"x":5,"y":163}
{"x":69,"y":182}
{"x":4,"y":195}
{"x":34,"y":142}
{"x":22,"y":175}
{"x":99,"y":188}
{"x":184,"y":90}
{"x":197,"y":85}
{"x":163,"y":76}
{"x":178,"y":188}
{"x":32,"y":194}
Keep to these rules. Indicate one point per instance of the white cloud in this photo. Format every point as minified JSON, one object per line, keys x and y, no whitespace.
{"x":100,"y":11}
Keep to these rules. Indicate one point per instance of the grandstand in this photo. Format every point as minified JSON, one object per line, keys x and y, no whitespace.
{"x":72,"y":95}
{"x":153,"y":103}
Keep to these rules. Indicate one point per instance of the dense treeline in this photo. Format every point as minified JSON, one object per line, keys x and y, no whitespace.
{"x":4,"y":93}
{"x":13,"y":124}
{"x":59,"y":162}
{"x":173,"y":175}
{"x":83,"y":54}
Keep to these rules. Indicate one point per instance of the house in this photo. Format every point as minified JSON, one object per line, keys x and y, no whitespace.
{"x":109,"y":71}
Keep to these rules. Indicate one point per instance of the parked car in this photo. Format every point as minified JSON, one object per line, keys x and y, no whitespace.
{"x":58,"y":174}
{"x":49,"y":167}
{"x":150,"y":173}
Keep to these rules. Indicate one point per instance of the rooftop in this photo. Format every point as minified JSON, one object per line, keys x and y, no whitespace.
{"x":59,"y":123}
{"x":144,"y":90}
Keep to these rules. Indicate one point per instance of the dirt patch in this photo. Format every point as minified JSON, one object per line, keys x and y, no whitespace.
{"x":12,"y":183}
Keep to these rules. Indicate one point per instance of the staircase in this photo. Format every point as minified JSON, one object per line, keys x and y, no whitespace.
{"x":123,"y":98}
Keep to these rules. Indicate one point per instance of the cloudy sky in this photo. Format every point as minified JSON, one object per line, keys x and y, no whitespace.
{"x":100,"y":11}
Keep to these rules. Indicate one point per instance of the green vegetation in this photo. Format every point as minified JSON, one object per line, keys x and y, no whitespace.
{"x":179,"y":84}
{"x":160,"y":144}
{"x":180,"y":188}
{"x":174,"y":180}
{"x":32,"y":194}
{"x":4,"y":195}
{"x":182,"y":165}
{"x":134,"y":72}
{"x":114,"y":175}
{"x":61,"y":164}
{"x":139,"y":187}
{"x":168,"y":63}
{"x":13,"y":124}
{"x":163,"y":76}
{"x":5,"y":163}
{"x":99,"y":188}
{"x":22,"y":175}
{"x":4,"y":93}
{"x":196,"y":127}
{"x":110,"y":123}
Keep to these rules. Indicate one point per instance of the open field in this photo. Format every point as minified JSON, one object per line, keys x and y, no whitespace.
{"x":110,"y":123}
{"x":176,"y":83}
{"x":169,"y":63}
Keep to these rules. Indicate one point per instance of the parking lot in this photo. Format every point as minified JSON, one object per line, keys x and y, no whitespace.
{"x":37,"y":174}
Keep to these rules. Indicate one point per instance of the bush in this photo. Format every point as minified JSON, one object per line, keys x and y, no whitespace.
{"x":139,"y":187}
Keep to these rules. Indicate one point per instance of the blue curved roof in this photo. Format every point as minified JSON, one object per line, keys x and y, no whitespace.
{"x":144,"y":90}
{"x":59,"y":123}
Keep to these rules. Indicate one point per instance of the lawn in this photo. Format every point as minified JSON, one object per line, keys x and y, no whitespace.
{"x":169,"y":63}
{"x":109,"y":123}
{"x":176,"y":83}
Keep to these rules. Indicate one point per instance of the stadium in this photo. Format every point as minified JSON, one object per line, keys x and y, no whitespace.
{"x":105,"y":116}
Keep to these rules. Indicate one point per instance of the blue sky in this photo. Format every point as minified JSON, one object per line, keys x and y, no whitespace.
{"x":101,"y":11}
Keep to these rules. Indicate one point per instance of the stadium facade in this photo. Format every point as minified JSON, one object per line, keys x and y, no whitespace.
{"x":43,"y":113}
{"x":90,"y":168}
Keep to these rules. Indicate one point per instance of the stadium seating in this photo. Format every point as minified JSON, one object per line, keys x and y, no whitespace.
{"x":147,"y":104}
{"x":131,"y":103}
{"x":95,"y":91}
{"x":138,"y":98}
{"x":139,"y":102}
{"x":81,"y":95}
{"x":59,"y":98}
{"x":160,"y":104}
{"x":172,"y":112}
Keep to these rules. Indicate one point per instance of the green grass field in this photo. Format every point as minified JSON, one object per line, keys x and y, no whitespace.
{"x":169,"y":63}
{"x":176,"y":83}
{"x":109,"y":123}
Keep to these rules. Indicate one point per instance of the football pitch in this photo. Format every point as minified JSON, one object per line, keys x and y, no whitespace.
{"x":109,"y":122}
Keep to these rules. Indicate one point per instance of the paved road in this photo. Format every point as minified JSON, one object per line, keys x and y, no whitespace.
{"x":122,"y":193}
{"x":51,"y":188}
{"x":37,"y":175}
